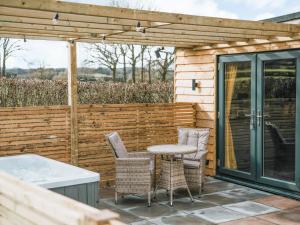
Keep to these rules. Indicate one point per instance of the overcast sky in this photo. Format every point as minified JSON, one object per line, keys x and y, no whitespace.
{"x":54,"y":54}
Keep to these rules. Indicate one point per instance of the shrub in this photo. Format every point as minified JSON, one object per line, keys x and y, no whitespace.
{"x":21,"y":92}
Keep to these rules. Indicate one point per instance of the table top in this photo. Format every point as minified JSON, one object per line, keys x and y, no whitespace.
{"x":171,"y":149}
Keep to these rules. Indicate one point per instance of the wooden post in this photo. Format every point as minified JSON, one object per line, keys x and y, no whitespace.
{"x":72,"y":101}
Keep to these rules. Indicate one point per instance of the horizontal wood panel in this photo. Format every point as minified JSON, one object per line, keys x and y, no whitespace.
{"x":195,"y":67}
{"x":194,"y":75}
{"x":188,"y":83}
{"x":41,"y":130}
{"x":198,"y":91}
{"x":195,"y":99}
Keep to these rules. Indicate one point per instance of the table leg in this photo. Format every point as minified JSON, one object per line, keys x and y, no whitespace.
{"x":154,"y":170}
{"x":155,"y":184}
{"x":171,"y":181}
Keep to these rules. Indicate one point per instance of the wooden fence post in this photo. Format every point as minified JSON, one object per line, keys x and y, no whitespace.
{"x":73,"y":101}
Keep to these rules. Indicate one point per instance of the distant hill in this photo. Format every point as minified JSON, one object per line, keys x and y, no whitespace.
{"x":84,"y":73}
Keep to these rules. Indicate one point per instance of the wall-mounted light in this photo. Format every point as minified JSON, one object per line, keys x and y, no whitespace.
{"x":103,"y":39}
{"x":139,"y":28}
{"x":55,"y":18}
{"x":195,"y":84}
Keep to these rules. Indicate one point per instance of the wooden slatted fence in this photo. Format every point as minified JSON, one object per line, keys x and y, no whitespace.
{"x":46,"y":130}
{"x":39,"y":130}
{"x":140,"y":125}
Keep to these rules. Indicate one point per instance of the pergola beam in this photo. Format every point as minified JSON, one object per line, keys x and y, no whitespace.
{"x":151,"y":16}
{"x":106,"y":27}
{"x":83,"y":22}
{"x":248,"y":43}
{"x":92,"y":32}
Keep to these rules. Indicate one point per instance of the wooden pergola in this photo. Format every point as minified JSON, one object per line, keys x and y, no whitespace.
{"x":91,"y":23}
{"x":33,"y":19}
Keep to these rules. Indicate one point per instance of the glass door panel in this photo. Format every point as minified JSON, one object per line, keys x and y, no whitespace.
{"x":237,"y":115}
{"x":277,"y":119}
{"x":279,"y":109}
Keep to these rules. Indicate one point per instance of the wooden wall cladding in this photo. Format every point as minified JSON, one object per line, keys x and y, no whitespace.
{"x":46,"y":131}
{"x":201,"y":65}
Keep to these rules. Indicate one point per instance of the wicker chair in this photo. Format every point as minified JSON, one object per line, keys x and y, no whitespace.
{"x":194,"y":164}
{"x":134,"y":171}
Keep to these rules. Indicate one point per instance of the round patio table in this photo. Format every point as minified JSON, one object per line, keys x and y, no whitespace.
{"x":172,"y":170}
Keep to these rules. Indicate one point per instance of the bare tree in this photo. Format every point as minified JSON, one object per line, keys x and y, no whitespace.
{"x":143,"y":49}
{"x":106,"y":55}
{"x":149,"y":61}
{"x":164,"y":63}
{"x":124,"y":50}
{"x":8,"y":47}
{"x":133,"y":57}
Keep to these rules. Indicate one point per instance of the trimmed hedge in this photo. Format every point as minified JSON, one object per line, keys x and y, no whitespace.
{"x":22,"y":92}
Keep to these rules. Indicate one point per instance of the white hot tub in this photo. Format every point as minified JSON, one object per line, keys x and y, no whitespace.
{"x":74,"y":182}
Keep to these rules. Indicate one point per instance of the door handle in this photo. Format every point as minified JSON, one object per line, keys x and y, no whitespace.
{"x":252,"y":119}
{"x":260,"y":117}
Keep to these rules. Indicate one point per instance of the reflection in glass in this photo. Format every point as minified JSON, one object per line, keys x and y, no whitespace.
{"x":237,"y":111}
{"x":279,"y":119}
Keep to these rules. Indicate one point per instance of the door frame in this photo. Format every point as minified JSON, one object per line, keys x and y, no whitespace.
{"x":292,"y":54}
{"x":221,"y":117}
{"x":255,"y":179}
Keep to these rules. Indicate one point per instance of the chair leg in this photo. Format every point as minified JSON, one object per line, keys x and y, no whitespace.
{"x":200,"y":191}
{"x":149,"y":198}
{"x":200,"y":188}
{"x":116,"y":198}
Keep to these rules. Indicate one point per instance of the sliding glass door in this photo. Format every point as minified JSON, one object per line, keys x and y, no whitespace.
{"x":259,"y":120}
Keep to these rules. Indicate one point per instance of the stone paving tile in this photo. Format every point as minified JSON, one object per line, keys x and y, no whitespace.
{"x":248,"y":221}
{"x":219,"y":186}
{"x":186,"y":205}
{"x":142,"y":222}
{"x":250,"y":208}
{"x":107,"y":192}
{"x":128,"y":201}
{"x":210,"y":180}
{"x":156,"y":210}
{"x":125,"y":217}
{"x":162,"y":195}
{"x":286,"y":217}
{"x":218,"y":214}
{"x":279,"y":202}
{"x":246,"y":193}
{"x":220,"y":198}
{"x":180,"y":219}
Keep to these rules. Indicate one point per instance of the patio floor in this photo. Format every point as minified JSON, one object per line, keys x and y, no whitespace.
{"x":221,"y":203}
